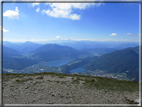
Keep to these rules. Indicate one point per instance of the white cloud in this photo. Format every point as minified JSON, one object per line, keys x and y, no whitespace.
{"x":37,"y":10}
{"x":43,"y":11}
{"x":12,"y":14}
{"x":24,"y":40}
{"x":62,"y":14}
{"x":92,"y":39}
{"x":128,"y":34}
{"x":33,"y":4}
{"x":134,"y":34}
{"x":65,"y":10}
{"x":68,"y":6}
{"x":23,"y":14}
{"x":113,"y":34}
{"x":58,"y":37}
{"x":4,"y":30}
{"x":46,"y":40}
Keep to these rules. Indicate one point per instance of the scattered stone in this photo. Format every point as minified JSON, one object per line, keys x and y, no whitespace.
{"x":4,"y":84}
{"x":53,"y":94}
{"x":11,"y":86}
{"x":137,"y":101}
{"x":35,"y":92}
{"x":68,"y":96}
{"x":26,"y":87}
{"x":29,"y":78}
{"x":33,"y":101}
{"x":12,"y":95}
{"x":42,"y":88}
{"x":27,"y":102}
{"x":40,"y":98}
{"x":39,"y":77}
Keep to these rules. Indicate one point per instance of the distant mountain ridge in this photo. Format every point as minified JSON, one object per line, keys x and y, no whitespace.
{"x":22,"y":47}
{"x":84,"y":44}
{"x":13,"y":59}
{"x":118,"y":62}
{"x":17,"y":63}
{"x":126,"y":45}
{"x":98,"y":51}
{"x":8,"y":52}
{"x":98,"y":44}
{"x":53,"y":52}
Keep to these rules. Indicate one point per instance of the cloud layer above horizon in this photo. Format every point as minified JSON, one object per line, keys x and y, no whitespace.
{"x":66,"y":10}
{"x":75,"y":21}
{"x":4,"y":30}
{"x":11,"y":14}
{"x":113,"y":34}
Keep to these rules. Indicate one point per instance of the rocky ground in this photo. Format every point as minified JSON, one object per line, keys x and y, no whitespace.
{"x":61,"y":89}
{"x":0,"y":89}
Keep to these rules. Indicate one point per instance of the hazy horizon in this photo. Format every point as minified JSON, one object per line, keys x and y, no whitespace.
{"x":67,"y":41}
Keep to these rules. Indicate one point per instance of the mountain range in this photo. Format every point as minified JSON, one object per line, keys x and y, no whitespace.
{"x":31,"y":46}
{"x":8,"y":52}
{"x":120,"y":61}
{"x":109,"y":60}
{"x":22,"y":47}
{"x":50,"y":52}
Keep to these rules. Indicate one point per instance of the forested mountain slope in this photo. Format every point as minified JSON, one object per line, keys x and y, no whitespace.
{"x":126,"y":60}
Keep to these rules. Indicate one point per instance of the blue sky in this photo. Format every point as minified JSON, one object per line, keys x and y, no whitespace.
{"x":77,"y":21}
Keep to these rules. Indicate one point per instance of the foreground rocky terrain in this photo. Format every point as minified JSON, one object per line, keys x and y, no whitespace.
{"x":53,"y":88}
{"x":0,"y":90}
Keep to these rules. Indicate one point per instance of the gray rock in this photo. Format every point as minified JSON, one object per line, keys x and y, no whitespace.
{"x":26,"y":87}
{"x":11,"y":86}
{"x":53,"y":94}
{"x":4,"y":84}
{"x":41,"y":88}
{"x":35,"y":92}
{"x":33,"y":101}
{"x":137,"y":101}
{"x":29,"y":78}
{"x":39,"y":77}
